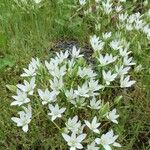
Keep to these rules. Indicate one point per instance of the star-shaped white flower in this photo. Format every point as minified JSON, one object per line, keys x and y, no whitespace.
{"x":30,"y":72}
{"x":109,"y":77}
{"x":25,"y":118}
{"x":74,"y":141}
{"x":122,"y":70}
{"x":75,"y":53}
{"x":96,"y":43}
{"x":73,"y":124}
{"x":20,"y":98}
{"x":112,"y":116}
{"x":108,"y":139}
{"x":107,"y":59}
{"x":82,"y":91}
{"x":93,"y":125}
{"x":28,"y":86}
{"x":126,"y":82}
{"x":95,"y":104}
{"x":127,"y":61}
{"x":56,"y":112}
{"x":47,"y":96}
{"x":86,"y":72}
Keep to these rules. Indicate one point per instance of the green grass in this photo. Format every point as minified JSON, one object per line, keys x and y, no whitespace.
{"x":34,"y":33}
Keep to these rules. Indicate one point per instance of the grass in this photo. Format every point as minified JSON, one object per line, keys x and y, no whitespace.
{"x":34,"y":33}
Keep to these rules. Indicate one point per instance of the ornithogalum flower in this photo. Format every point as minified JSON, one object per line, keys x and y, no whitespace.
{"x":96,"y":43}
{"x":95,"y":104}
{"x":109,"y":77}
{"x":30,"y":72}
{"x":125,"y":82}
{"x":28,"y":86}
{"x":47,"y":96}
{"x":82,"y":91}
{"x":56,"y":112}
{"x":74,"y":141}
{"x":112,"y":116}
{"x":20,"y":98}
{"x":93,"y":125}
{"x":73,"y":124}
{"x":24,"y":118}
{"x":107,"y":140}
{"x":75,"y":53}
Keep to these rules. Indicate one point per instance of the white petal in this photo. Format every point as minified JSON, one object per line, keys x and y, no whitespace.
{"x":66,"y":137}
{"x":107,"y":147}
{"x":81,"y":137}
{"x":25,"y":128}
{"x":116,"y":144}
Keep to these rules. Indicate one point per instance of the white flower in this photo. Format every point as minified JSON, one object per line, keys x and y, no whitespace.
{"x":74,"y":141}
{"x":116,"y":45}
{"x":61,"y":56}
{"x":86,"y":72}
{"x":51,"y":65}
{"x":75,"y":53}
{"x":112,"y":116}
{"x":55,"y":111}
{"x":94,"y":86}
{"x":125,"y":82}
{"x":20,"y":99}
{"x":58,"y":72}
{"x":35,"y":63}
{"x":93,"y":125}
{"x":95,"y":104}
{"x":28,"y":86}
{"x":82,"y":91}
{"x":108,"y":139}
{"x":96,"y":43}
{"x":108,"y":76}
{"x":124,"y":52}
{"x":123,"y":17}
{"x":82,"y":2}
{"x":107,"y":7}
{"x":107,"y":59}
{"x":92,"y":146}
{"x":122,"y":70}
{"x":128,"y":61}
{"x":106,"y":35}
{"x":139,"y":24}
{"x":56,"y":84}
{"x":30,"y":72}
{"x":47,"y":96}
{"x":73,"y":124}
{"x":118,"y":8}
{"x":24,"y":118}
{"x":70,"y":94}
{"x":129,"y":27}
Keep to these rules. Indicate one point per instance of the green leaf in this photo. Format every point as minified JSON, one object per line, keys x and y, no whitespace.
{"x":104,"y":109}
{"x":118,"y":99}
{"x":11,"y":88}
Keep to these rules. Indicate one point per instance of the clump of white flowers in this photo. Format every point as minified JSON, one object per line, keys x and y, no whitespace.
{"x":67,"y":84}
{"x":70,"y":89}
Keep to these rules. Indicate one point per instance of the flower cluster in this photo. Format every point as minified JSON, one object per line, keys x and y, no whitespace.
{"x":70,"y":89}
{"x":67,"y":85}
